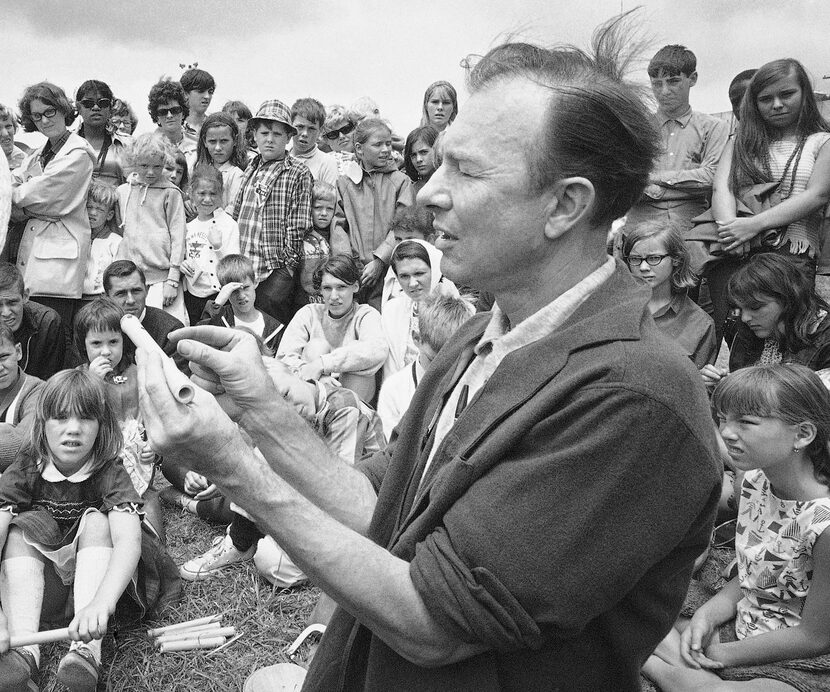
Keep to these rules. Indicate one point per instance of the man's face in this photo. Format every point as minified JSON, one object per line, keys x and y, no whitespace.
{"x":11,"y":308}
{"x":129,"y":292}
{"x":672,"y":91}
{"x":10,"y":355}
{"x":198,"y":101}
{"x":489,"y":220}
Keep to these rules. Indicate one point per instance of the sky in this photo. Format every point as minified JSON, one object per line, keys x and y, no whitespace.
{"x":339,"y":50}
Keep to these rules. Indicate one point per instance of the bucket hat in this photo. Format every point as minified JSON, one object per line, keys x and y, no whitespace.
{"x":275,"y":111}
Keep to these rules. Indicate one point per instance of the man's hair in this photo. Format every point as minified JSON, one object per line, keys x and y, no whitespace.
{"x":102,"y":193}
{"x":121,"y":269}
{"x":737,"y":89}
{"x":206,"y":173}
{"x":164,"y":91}
{"x":596,"y":125}
{"x":52,"y":96}
{"x":234,"y":268}
{"x":415,"y":219}
{"x":197,"y":80}
{"x":10,"y":278}
{"x":321,"y":190}
{"x":310,"y":109}
{"x":440,"y":316}
{"x":671,"y":61}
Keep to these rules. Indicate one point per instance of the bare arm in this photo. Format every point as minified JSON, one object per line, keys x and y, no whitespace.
{"x":810,"y":638}
{"x":724,"y":204}
{"x":5,"y":521}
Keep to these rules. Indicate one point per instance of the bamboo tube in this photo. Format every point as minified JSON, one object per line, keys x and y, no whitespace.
{"x":181,"y":387}
{"x":45,"y":637}
{"x":192,"y":644}
{"x":184,"y":625}
{"x":190,"y":634}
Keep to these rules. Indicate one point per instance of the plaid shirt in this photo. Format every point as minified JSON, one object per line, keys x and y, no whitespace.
{"x":49,"y":152}
{"x":273,"y":210}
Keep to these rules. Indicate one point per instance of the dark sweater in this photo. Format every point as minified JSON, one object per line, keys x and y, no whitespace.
{"x":559,"y":520}
{"x":42,"y":340}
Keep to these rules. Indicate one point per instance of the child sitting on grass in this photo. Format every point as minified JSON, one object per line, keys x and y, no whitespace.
{"x":100,"y":208}
{"x":439,"y":317}
{"x":775,"y":422}
{"x":234,"y":305}
{"x":212,"y":235}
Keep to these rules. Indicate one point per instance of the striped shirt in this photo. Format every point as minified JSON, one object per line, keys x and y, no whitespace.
{"x":273,"y":210}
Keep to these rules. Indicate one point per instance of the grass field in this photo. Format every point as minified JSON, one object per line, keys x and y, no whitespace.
{"x":270,"y":618}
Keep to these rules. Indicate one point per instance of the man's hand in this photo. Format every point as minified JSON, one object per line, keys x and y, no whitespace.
{"x":169,"y":293}
{"x":372,"y":273}
{"x":199,"y":434}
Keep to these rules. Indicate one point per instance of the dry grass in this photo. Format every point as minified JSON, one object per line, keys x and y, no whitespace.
{"x":270,"y":618}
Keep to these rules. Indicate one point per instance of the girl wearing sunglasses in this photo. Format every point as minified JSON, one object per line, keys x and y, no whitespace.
{"x":94,"y":102}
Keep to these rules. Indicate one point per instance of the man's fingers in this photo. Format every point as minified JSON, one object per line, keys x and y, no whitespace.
{"x":218,"y":337}
{"x":206,"y":358}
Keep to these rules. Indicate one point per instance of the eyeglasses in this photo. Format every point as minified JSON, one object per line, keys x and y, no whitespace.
{"x":173,"y":110}
{"x":91,"y":103}
{"x":334,"y":134}
{"x":637,"y":260}
{"x":49,"y":113}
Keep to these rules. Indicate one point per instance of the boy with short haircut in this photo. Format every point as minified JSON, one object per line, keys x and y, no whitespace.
{"x":100,"y":208}
{"x":438,"y":319}
{"x":198,"y":86}
{"x":8,"y":128}
{"x":212,"y":235}
{"x":37,"y":328}
{"x":308,"y":117}
{"x":681,"y":180}
{"x":234,"y":305}
{"x":316,"y":245}
{"x":273,"y":210}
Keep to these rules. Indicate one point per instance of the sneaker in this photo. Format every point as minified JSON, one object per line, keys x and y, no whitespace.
{"x":78,"y":671}
{"x":222,"y":553}
{"x":174,"y":498}
{"x":18,"y":671}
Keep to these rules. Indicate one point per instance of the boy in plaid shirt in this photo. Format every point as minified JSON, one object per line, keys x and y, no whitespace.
{"x":273,"y":210}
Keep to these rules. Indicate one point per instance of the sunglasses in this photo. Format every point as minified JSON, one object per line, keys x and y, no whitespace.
{"x":49,"y":113}
{"x":334,"y":134}
{"x":91,"y":103}
{"x":174,"y":110}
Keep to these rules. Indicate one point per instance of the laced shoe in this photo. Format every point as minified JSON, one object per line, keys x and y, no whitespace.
{"x":221,"y":554}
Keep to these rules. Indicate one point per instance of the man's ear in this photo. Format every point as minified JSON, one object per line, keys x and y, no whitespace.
{"x":571,"y":203}
{"x":110,"y":214}
{"x":693,"y":78}
{"x":18,"y":349}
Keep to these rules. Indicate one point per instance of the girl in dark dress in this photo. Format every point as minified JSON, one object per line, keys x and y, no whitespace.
{"x":68,"y":515}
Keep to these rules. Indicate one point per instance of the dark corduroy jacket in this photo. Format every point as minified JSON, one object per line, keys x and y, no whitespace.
{"x":560,"y":517}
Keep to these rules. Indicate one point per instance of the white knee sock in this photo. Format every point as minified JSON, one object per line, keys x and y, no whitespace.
{"x":91,"y":564}
{"x":21,"y":594}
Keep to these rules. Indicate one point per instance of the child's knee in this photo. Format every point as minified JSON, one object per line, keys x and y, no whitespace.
{"x":16,"y":545}
{"x":95,"y":530}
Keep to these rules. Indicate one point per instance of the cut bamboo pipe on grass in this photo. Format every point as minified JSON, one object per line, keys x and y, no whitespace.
{"x":198,"y":629}
{"x":45,"y":637}
{"x":206,"y":642}
{"x":181,"y":387}
{"x":183,"y":625}
{"x":190,"y":634}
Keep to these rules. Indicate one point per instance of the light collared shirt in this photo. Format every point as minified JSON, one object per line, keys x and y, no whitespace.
{"x":499,"y":340}
{"x":692,"y":145}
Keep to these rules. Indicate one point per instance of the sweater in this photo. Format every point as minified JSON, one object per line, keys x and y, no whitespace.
{"x":42,"y":341}
{"x":356,"y":339}
{"x":153,"y":223}
{"x":17,"y":414}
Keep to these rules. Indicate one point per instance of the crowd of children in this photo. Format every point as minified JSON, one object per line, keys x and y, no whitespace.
{"x":301,"y":227}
